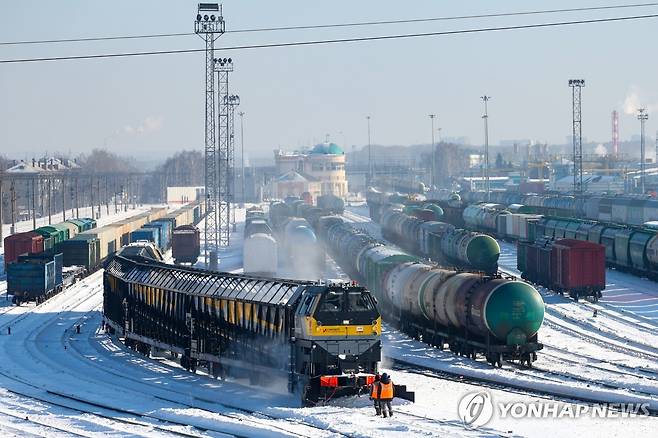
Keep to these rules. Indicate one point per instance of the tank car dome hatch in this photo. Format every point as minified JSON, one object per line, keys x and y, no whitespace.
{"x":455,"y":197}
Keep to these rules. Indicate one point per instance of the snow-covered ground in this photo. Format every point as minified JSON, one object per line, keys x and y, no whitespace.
{"x":56,"y":382}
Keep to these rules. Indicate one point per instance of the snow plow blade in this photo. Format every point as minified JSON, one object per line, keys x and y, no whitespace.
{"x":401,"y":391}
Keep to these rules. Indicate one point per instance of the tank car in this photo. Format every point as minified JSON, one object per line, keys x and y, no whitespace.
{"x":331,"y":203}
{"x":304,"y":257}
{"x":260,"y":255}
{"x":441,"y":242}
{"x":471,"y":313}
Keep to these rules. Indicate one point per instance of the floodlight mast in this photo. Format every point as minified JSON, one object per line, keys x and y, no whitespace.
{"x":209,"y":25}
{"x":577,"y":133}
{"x":224,"y":66}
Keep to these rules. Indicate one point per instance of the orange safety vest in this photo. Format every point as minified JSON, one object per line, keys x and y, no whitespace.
{"x":385,"y":391}
{"x":373,"y":390}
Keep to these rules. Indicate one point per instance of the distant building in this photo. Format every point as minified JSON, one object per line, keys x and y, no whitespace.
{"x":591,"y":184}
{"x":320,"y":171}
{"x":183,"y":195}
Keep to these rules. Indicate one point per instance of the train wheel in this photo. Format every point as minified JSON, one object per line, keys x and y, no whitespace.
{"x":474,"y":355}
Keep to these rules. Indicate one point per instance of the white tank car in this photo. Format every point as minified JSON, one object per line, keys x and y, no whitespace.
{"x":260,"y":255}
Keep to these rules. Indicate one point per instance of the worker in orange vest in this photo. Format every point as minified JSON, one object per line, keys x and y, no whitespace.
{"x":384,"y":395}
{"x":373,"y":394}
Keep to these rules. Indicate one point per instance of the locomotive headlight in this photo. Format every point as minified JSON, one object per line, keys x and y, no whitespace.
{"x":346,"y":321}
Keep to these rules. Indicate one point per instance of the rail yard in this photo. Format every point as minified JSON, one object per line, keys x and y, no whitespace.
{"x":315,"y":266}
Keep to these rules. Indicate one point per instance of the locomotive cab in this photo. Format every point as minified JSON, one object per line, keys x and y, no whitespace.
{"x":338,"y":331}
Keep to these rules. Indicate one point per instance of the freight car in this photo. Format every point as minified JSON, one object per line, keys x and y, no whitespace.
{"x":567,"y":266}
{"x":142,"y":249}
{"x":36,"y":260}
{"x":623,"y":209}
{"x":35,"y":277}
{"x":186,"y":244}
{"x":260,"y":248}
{"x":322,"y":339}
{"x":441,"y":242}
{"x":260,"y":255}
{"x":495,"y":219}
{"x":331,"y":203}
{"x":301,"y":253}
{"x":631,"y":249}
{"x":471,"y":313}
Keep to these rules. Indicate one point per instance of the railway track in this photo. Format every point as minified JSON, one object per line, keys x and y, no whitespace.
{"x":193,"y":401}
{"x":601,"y":341}
{"x":650,"y":373}
{"x":24,"y":431}
{"x":105,"y":412}
{"x":239,"y":419}
{"x":517,"y":388}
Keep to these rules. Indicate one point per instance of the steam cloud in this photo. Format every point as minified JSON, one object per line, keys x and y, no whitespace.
{"x":600,"y":150}
{"x":632,"y":102}
{"x":150,"y":124}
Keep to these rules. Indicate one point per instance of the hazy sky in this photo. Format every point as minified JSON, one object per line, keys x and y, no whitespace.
{"x":151,"y":106}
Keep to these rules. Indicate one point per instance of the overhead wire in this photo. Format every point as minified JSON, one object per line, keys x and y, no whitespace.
{"x":339,"y":40}
{"x":337,"y":25}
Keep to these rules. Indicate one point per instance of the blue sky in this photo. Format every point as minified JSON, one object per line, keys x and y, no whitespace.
{"x":152,"y":106}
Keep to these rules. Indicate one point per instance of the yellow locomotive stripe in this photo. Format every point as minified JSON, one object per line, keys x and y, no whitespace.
{"x":315,"y":329}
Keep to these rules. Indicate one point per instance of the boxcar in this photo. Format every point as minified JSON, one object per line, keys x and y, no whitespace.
{"x":186,"y":244}
{"x":22,"y":243}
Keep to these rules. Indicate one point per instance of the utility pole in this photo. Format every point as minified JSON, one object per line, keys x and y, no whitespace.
{"x":642,"y":116}
{"x":210,"y":27}
{"x":485,"y":117}
{"x":2,"y":222}
{"x":241,"y":114}
{"x":370,"y":175}
{"x":77,"y":200}
{"x":63,"y":188}
{"x":577,"y":133}
{"x":107,"y":198}
{"x":91,"y":196}
{"x":34,"y":204}
{"x":12,"y":204}
{"x":98,"y":195}
{"x":433,"y":161}
{"x":50,"y":204}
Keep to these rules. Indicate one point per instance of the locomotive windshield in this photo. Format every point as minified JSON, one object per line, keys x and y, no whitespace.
{"x":354,"y":305}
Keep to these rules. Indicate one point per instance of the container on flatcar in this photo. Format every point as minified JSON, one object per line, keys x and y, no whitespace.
{"x":22,"y":243}
{"x":151,"y":234}
{"x":83,"y":250}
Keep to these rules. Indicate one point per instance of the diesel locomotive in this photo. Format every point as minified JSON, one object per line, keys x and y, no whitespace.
{"x":322,"y":339}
